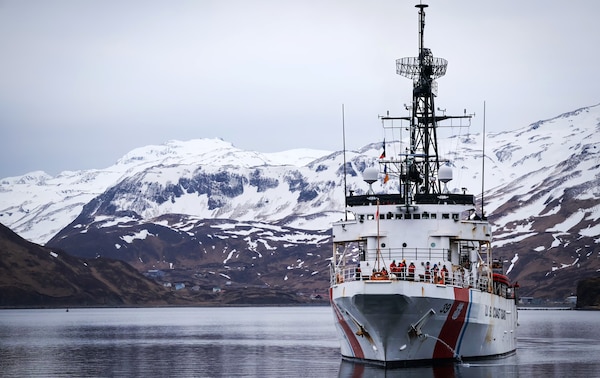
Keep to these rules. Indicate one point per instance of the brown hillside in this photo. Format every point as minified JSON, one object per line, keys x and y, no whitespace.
{"x":33,"y":276}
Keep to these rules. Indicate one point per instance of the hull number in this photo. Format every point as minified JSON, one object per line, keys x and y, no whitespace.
{"x":446,"y":308}
{"x":495,"y":312}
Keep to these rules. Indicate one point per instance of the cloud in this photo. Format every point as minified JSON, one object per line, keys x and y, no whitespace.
{"x":104,"y":77}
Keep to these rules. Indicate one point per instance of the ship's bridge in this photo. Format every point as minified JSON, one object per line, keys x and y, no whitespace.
{"x":420,"y":199}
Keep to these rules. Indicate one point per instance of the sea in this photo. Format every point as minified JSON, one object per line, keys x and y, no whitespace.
{"x":258,"y":342}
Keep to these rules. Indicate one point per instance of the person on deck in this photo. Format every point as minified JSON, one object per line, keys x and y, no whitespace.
{"x":402,"y":269}
{"x":444,"y":275}
{"x":427,"y":272}
{"x":411,"y":271}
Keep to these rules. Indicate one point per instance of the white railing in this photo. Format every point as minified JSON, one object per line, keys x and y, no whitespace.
{"x":457,"y":278}
{"x":399,"y":254}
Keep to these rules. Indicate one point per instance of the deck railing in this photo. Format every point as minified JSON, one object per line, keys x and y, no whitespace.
{"x":456,"y":278}
{"x":432,"y":254}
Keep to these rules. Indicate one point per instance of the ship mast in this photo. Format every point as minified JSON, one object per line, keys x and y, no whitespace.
{"x":422,"y":163}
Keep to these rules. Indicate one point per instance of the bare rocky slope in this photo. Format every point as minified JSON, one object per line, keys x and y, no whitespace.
{"x":31,"y":275}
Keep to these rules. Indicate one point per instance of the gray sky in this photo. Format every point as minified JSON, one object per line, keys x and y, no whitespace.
{"x":84,"y":82}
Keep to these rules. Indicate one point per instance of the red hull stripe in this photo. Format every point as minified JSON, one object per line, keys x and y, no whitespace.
{"x":453,"y":325}
{"x":350,"y":336}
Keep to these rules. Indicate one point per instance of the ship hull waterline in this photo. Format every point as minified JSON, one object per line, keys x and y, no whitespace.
{"x":401,"y":323}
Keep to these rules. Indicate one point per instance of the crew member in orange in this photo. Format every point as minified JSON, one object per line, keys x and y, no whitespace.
{"x":444,"y":275}
{"x":393,"y":267}
{"x":403,"y":269}
{"x":411,"y":271}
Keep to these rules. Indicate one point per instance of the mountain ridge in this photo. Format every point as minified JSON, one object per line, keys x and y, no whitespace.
{"x":542,"y":198}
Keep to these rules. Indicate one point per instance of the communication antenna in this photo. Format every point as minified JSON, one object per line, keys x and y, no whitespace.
{"x":344,"y":153}
{"x":483,"y":165}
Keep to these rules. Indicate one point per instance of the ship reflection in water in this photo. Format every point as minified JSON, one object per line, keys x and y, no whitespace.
{"x":503,"y":367}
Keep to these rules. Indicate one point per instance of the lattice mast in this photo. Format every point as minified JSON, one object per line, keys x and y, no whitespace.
{"x":422,"y":161}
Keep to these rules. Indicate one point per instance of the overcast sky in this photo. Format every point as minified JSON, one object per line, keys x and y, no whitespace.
{"x":84,"y":82}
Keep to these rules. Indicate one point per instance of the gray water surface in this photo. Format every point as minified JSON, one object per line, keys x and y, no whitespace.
{"x":258,"y":341}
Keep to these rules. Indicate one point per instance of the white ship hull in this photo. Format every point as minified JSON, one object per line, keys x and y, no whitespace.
{"x":395,"y":322}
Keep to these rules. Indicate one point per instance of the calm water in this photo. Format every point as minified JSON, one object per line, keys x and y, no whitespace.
{"x":264,"y":341}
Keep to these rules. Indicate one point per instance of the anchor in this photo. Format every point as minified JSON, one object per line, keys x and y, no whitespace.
{"x":416,"y":330}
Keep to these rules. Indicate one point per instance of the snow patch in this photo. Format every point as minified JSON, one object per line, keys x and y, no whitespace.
{"x":229,"y":256}
{"x":512,"y":263}
{"x":590,"y":231}
{"x":568,"y":223}
{"x":141,"y":235}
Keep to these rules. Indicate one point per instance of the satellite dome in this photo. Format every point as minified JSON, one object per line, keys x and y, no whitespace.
{"x":370,"y":175}
{"x":445,"y":173}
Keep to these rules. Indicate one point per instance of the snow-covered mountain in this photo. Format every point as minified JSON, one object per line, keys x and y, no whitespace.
{"x":37,"y":206}
{"x":547,"y":213}
{"x":206,"y":196}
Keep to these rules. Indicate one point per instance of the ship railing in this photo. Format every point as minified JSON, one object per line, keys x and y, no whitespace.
{"x":458,"y":278}
{"x":344,"y":274}
{"x":434,"y":255}
{"x":353,"y":273}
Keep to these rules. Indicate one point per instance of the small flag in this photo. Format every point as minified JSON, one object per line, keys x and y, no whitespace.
{"x":383,"y":153}
{"x":386,"y":178}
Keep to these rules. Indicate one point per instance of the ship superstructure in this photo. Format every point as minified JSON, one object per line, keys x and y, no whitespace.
{"x":413,"y":278}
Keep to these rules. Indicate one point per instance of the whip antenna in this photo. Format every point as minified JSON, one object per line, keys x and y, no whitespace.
{"x":344,"y":153}
{"x":483,"y":165}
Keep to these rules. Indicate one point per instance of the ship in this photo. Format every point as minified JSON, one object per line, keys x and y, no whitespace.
{"x":413,"y":278}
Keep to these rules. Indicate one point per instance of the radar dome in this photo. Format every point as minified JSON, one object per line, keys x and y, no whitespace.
{"x":370,"y":175}
{"x":445,"y":173}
